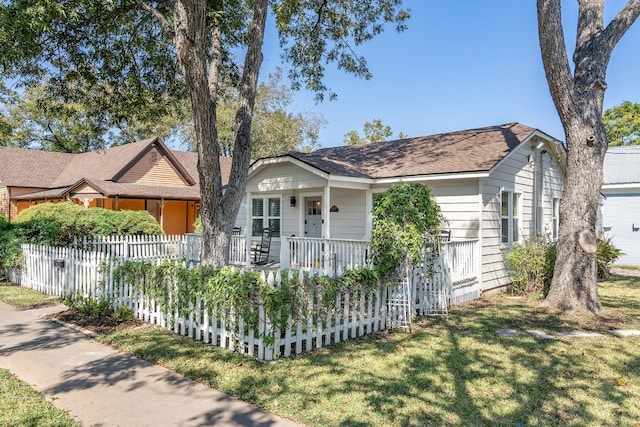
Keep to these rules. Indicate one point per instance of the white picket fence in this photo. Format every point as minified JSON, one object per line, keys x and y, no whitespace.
{"x":65,"y":271}
{"x":136,"y":247}
{"x":237,"y":249}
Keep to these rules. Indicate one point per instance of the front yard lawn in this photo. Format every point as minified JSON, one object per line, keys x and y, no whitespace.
{"x":459,"y":372}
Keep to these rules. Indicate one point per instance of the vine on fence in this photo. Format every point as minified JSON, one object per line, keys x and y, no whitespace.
{"x":234,"y":293}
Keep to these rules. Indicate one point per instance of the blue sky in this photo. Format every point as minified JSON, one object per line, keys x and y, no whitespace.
{"x":460,"y":65}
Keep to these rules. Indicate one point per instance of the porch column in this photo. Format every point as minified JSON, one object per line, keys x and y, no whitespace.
{"x":326,"y":217}
{"x":368,"y":225}
{"x":248,"y":229}
{"x":161,"y":207}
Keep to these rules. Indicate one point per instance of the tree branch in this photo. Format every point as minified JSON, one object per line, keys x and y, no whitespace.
{"x":164,"y":22}
{"x":216,"y":62}
{"x":554,"y":57}
{"x":620,"y":24}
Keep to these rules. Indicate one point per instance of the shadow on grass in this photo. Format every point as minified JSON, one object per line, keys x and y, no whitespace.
{"x":459,"y":372}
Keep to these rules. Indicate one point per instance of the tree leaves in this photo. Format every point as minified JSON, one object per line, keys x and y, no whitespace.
{"x":622,"y":124}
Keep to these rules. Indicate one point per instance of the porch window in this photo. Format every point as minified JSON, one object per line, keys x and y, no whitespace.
{"x":265,"y":212}
{"x":510,"y":215}
{"x":555,"y":214}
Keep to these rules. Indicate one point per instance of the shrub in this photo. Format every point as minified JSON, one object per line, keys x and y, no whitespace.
{"x":123,"y":314}
{"x":88,"y":305}
{"x":401,"y":216}
{"x":4,"y":224}
{"x":59,"y":224}
{"x":531,"y":265}
{"x":63,"y":213}
{"x":606,"y":255}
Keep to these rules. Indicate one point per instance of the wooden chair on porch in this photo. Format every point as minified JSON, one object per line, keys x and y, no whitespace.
{"x":260,"y":252}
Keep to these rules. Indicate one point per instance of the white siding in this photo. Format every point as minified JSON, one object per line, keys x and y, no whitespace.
{"x":621,"y":220}
{"x":283,"y":177}
{"x":350,"y":220}
{"x":517,"y":174}
{"x":458,"y":200}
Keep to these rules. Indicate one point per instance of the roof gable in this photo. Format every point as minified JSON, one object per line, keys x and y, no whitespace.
{"x":155,"y":164}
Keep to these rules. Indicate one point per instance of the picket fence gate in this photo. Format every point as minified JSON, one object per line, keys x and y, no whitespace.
{"x":67,"y":271}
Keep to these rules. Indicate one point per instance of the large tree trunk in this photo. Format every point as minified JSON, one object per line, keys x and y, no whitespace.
{"x":579,"y":99}
{"x":218,"y":209}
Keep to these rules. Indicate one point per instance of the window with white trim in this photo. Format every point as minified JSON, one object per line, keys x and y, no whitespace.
{"x":555,"y":217}
{"x":510,"y":217}
{"x":265,"y":212}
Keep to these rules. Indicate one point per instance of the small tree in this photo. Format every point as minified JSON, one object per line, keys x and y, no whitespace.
{"x":402,"y":215}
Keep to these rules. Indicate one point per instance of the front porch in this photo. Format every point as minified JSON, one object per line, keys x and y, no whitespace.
{"x":460,"y":260}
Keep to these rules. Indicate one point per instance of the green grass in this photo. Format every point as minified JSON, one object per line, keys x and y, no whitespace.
{"x":20,"y":297}
{"x":458,"y":372}
{"x":20,"y":405}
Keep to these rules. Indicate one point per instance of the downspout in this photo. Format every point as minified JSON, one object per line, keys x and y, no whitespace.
{"x":326,"y":207}
{"x":480,"y":233}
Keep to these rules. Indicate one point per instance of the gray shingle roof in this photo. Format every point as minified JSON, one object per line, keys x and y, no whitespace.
{"x":474,"y":150}
{"x":31,"y":168}
{"x":622,"y":165}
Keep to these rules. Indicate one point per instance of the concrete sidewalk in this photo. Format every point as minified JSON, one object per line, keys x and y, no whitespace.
{"x":100,"y":386}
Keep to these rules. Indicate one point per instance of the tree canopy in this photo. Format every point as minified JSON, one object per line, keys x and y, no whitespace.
{"x":373,"y":131}
{"x":622,"y":124}
{"x":136,"y":53}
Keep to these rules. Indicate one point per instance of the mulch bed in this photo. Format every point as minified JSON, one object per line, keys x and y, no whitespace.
{"x":99,"y":325}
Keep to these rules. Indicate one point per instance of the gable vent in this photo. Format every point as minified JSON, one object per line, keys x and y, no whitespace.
{"x":153,"y":157}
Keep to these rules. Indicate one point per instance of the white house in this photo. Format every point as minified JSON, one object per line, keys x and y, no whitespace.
{"x":621,"y":206}
{"x":495,"y":185}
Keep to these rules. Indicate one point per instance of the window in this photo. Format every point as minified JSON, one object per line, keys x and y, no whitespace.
{"x":510,"y":215}
{"x":265,"y":212}
{"x":555,"y":213}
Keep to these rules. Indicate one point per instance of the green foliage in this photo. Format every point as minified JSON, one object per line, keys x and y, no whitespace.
{"x":233,"y":294}
{"x":531,"y":265}
{"x":108,"y":71}
{"x":123,"y":314}
{"x":275,"y":130}
{"x":88,"y":305}
{"x":374,"y":131}
{"x":606,"y":255}
{"x":4,"y":224}
{"x":197,"y":225}
{"x":402,"y":216}
{"x":76,"y":220}
{"x":60,"y":224}
{"x":622,"y":124}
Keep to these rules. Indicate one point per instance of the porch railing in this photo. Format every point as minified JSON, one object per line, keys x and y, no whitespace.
{"x":328,"y":255}
{"x":461,"y":259}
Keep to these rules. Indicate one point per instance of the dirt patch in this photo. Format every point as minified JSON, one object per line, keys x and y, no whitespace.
{"x":100,"y":325}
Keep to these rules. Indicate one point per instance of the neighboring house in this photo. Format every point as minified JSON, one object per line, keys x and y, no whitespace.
{"x":143,"y":175}
{"x":621,"y":205}
{"x":495,"y":185}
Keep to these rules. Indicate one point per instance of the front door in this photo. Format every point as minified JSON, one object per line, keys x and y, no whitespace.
{"x":313,"y":217}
